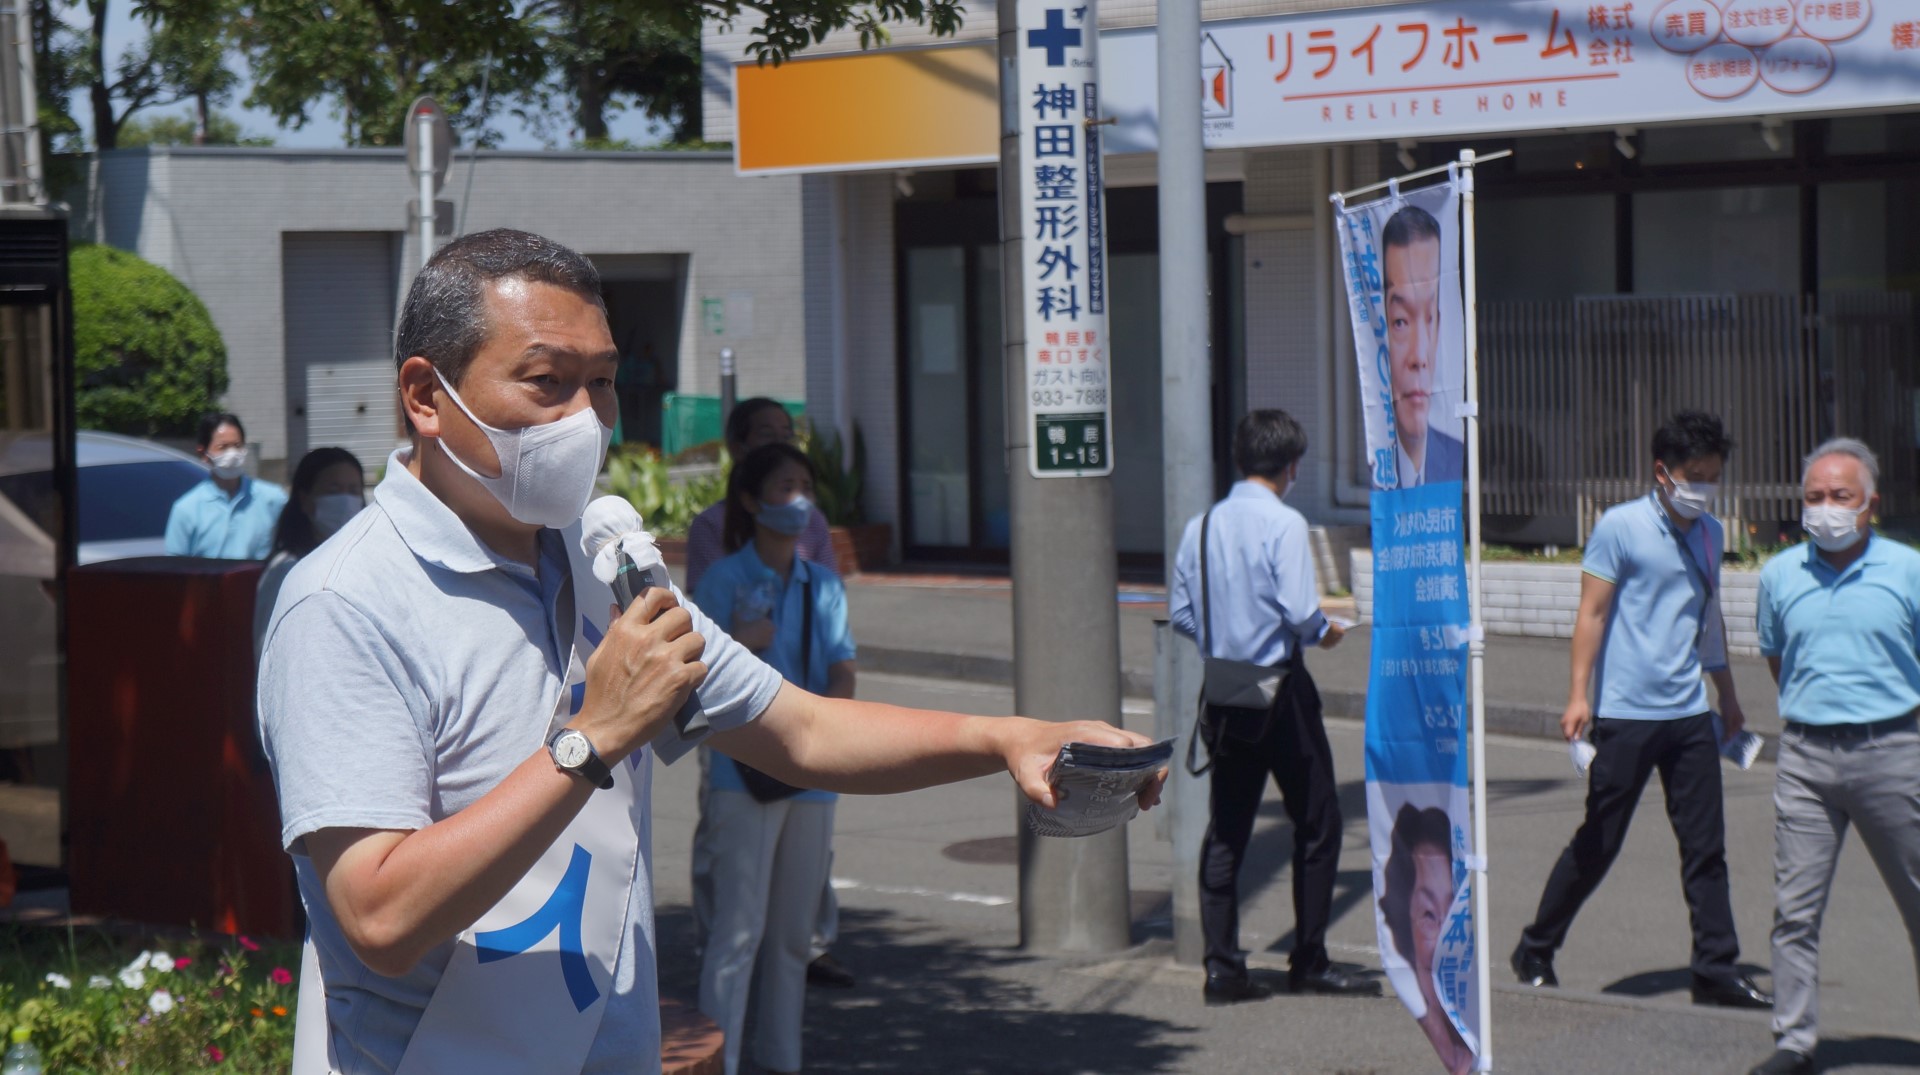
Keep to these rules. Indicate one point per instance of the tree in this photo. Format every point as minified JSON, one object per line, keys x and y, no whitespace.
{"x":369,"y":58}
{"x":147,"y":357}
{"x":182,"y":58}
{"x":186,"y":129}
{"x":605,"y":51}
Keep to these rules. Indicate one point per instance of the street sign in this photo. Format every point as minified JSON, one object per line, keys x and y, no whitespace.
{"x":1063,"y":230}
{"x":442,"y":141}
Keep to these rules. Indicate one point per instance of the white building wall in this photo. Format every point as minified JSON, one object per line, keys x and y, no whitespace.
{"x":214,"y":217}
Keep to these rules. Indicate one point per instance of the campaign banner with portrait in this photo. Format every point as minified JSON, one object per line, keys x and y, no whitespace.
{"x":1401,"y":259}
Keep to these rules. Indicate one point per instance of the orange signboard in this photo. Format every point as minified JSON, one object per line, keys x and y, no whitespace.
{"x":905,"y":108}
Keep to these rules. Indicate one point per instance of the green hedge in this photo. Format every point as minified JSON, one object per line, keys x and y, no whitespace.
{"x":148,"y":359}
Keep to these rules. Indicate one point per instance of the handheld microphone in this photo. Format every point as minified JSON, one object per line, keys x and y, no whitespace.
{"x":611,"y":533}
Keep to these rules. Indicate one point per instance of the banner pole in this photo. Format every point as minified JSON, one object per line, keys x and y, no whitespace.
{"x":1477,"y":636}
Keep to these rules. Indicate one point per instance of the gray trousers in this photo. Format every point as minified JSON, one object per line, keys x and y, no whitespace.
{"x":1824,"y":786}
{"x":826,"y":927}
{"x":769,"y":865}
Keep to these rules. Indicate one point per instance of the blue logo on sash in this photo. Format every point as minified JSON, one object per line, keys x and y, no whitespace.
{"x":563,"y":910}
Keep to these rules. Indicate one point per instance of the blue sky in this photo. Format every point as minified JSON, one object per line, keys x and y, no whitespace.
{"x":322,"y":130}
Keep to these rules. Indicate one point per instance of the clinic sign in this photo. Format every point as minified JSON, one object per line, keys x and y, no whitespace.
{"x":1477,"y":66}
{"x":1063,"y":224}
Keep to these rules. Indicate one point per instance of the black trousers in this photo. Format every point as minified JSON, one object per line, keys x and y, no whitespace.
{"x":1688,"y":759}
{"x":1290,"y":743}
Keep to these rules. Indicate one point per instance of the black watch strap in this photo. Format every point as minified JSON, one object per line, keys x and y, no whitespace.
{"x":594,"y":769}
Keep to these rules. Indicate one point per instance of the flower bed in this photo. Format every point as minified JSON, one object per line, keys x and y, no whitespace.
{"x":92,"y":1007}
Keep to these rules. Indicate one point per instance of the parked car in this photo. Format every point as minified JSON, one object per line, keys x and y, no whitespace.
{"x":127,"y":486}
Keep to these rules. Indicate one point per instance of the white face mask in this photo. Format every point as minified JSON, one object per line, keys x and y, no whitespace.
{"x":335,"y":510}
{"x":228,"y":463}
{"x":546,"y":471}
{"x":1690,"y":500}
{"x":1833,"y":529}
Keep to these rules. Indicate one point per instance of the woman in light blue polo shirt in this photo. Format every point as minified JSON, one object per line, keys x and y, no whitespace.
{"x":771,"y":844}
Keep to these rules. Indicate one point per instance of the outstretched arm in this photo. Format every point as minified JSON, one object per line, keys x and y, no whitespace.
{"x":838,"y":744}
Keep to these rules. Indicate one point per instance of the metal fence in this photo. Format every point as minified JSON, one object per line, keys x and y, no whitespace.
{"x":1574,"y":390}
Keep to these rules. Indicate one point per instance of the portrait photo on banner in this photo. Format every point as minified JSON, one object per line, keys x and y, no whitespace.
{"x":1422,"y":911}
{"x":1415,"y":336}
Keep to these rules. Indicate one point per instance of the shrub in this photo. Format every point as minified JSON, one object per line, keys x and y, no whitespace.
{"x":666,"y":506}
{"x":837,"y":482}
{"x":148,"y":360}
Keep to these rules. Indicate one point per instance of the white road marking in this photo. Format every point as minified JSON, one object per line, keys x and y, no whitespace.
{"x":845,"y":884}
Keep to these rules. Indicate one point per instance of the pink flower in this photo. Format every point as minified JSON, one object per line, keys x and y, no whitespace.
{"x":183,"y":961}
{"x":248,"y":944}
{"x":214,"y":1054}
{"x":281,"y":976}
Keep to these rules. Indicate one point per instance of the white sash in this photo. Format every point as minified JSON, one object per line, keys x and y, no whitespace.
{"x":527,"y":985}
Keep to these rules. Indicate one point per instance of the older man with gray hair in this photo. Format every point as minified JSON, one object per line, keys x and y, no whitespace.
{"x":1840,"y":627}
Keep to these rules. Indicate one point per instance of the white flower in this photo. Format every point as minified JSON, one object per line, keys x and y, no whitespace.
{"x":99,"y":981}
{"x":59,"y":981}
{"x":133,"y":979}
{"x":162,"y":962}
{"x":161,"y":1002}
{"x":140,"y":961}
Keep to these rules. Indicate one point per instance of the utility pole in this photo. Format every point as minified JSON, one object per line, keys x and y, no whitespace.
{"x":1186,"y":418}
{"x":1066,"y":622}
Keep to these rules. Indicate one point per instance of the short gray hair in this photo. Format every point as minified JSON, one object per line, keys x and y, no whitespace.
{"x":1847,"y":446}
{"x":444,"y":319}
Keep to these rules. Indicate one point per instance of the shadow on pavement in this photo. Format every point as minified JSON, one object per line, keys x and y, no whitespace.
{"x":929,"y":1000}
{"x":1653,"y":983}
{"x":1839,"y":1053}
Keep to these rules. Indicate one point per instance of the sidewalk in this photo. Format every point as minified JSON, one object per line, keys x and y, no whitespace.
{"x":948,"y":627}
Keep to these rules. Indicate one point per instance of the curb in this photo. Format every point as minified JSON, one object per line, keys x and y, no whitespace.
{"x":1137,"y":685}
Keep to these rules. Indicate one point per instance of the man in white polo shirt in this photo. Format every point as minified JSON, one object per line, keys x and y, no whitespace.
{"x":1840,"y":627}
{"x":1649,"y":625}
{"x":459,"y":723}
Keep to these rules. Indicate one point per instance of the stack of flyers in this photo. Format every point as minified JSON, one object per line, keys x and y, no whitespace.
{"x":1742,"y":749}
{"x":1097,"y":787}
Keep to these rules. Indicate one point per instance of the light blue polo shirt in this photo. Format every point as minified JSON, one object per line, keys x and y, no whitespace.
{"x":407,"y":671}
{"x":205,"y":521}
{"x":1654,"y":651}
{"x":1848,"y":641}
{"x":719,"y":591}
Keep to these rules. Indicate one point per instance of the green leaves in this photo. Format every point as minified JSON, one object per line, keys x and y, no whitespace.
{"x":666,"y":501}
{"x":147,"y":356}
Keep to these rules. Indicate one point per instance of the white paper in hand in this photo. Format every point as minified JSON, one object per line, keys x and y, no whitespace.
{"x":1097,"y":787}
{"x":1583,"y":754}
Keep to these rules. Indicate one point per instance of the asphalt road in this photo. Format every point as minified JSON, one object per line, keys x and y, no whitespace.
{"x":927,"y":888}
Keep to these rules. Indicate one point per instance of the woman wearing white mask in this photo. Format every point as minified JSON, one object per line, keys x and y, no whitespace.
{"x":327,"y":492}
{"x":771,"y":843}
{"x":230,"y":516}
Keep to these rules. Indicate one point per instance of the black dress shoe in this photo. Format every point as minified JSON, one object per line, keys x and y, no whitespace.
{"x":1784,"y":1062}
{"x":1224,"y":989}
{"x":828,"y":971}
{"x":1534,"y":970}
{"x":1333,"y":982}
{"x":1735,"y":992}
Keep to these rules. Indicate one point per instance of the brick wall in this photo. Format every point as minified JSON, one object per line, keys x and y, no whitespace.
{"x":1541,"y":600}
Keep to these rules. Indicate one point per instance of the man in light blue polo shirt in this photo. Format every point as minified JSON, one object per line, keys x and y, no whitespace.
{"x":230,"y":516}
{"x":1840,"y":627}
{"x":416,"y":667}
{"x":1649,"y":625}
